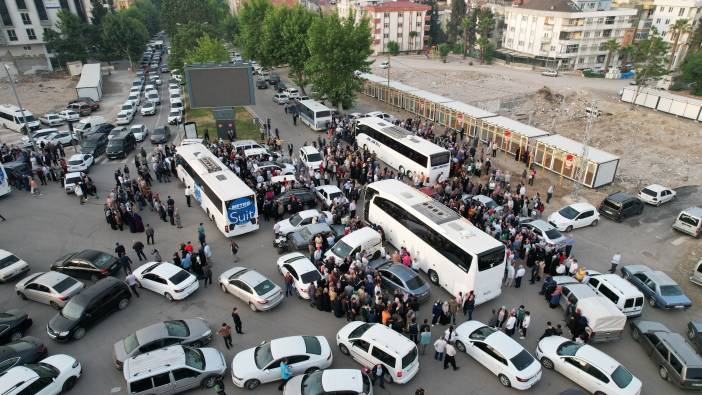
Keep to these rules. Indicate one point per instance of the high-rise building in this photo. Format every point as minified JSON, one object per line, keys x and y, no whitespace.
{"x":665,"y":14}
{"x":403,"y":22}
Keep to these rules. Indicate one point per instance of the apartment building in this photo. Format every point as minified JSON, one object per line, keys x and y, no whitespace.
{"x":23,"y":22}
{"x":404,"y":22}
{"x":566,"y":34}
{"x":666,"y":13}
{"x":345,"y":7}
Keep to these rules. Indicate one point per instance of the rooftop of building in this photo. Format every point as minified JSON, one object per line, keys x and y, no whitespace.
{"x":398,"y":6}
{"x":547,"y":5}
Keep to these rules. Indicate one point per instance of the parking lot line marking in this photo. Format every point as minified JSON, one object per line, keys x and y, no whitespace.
{"x":679,"y":240}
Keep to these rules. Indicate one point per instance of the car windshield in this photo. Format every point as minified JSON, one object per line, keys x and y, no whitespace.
{"x":522,"y":360}
{"x":175,"y":112}
{"x":409,"y":358}
{"x":310,"y":277}
{"x":415,"y":282}
{"x":341,"y":249}
{"x":65,"y":284}
{"x":130,"y":343}
{"x":194,"y":358}
{"x":179,"y":277}
{"x":568,"y":212}
{"x":72,"y":310}
{"x":114,"y":143}
{"x":75,"y":162}
{"x":612,"y":204}
{"x":553,"y":234}
{"x":264,"y":287}
{"x":158,"y":132}
{"x":8,"y":260}
{"x":312,"y":345}
{"x":358,"y":332}
{"x":334,"y":195}
{"x":568,"y":348}
{"x":621,"y":377}
{"x":262,"y":355}
{"x":295,"y":219}
{"x":312,"y":384}
{"x":671,"y":290}
{"x":177,"y":328}
{"x":44,"y":370}
{"x":90,"y":143}
{"x":102,"y":260}
{"x":649,"y":192}
{"x":314,"y":157}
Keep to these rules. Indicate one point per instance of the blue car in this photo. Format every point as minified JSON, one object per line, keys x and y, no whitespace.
{"x":660,"y":290}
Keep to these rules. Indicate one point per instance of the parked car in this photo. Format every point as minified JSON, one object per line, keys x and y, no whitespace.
{"x":148,"y":108}
{"x":277,"y":168}
{"x":300,"y":219}
{"x":175,"y":116}
{"x":71,"y":181}
{"x":660,"y":290}
{"x":153,"y":97}
{"x":261,"y":84}
{"x":160,"y":135}
{"x":499,"y":353}
{"x":63,"y":138}
{"x":194,"y":332}
{"x":280,"y":98}
{"x":656,"y":194}
{"x":11,"y":266}
{"x":573,"y":216}
{"x":620,"y":206}
{"x":104,"y":128}
{"x":56,"y":374}
{"x":13,"y":324}
{"x":694,"y":333}
{"x":134,"y":98}
{"x":94,"y":145}
{"x":689,"y":221}
{"x":69,"y":115}
{"x":37,"y":135}
{"x":51,"y":119}
{"x":274,"y":79}
{"x":550,"y":73}
{"x":300,"y":239}
{"x":302,"y":270}
{"x":544,"y":231}
{"x":330,"y":381}
{"x":675,"y":359}
{"x":92,"y":305}
{"x":396,"y":276}
{"x":384,"y":64}
{"x":139,"y":131}
{"x":87,"y":100}
{"x":595,"y":371}
{"x":253,"y":288}
{"x":166,"y":279}
{"x":307,"y":198}
{"x":52,"y":288}
{"x":382,"y":115}
{"x":487,"y":202}
{"x":305,"y":354}
{"x":81,"y":108}
{"x":87,"y":264}
{"x":327,"y":194}
{"x":21,"y":352}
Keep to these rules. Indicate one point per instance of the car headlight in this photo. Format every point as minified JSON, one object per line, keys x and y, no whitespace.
{"x":76,"y":364}
{"x":209,"y":332}
{"x":64,"y":333}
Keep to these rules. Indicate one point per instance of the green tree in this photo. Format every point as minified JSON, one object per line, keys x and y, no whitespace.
{"x":185,"y":38}
{"x":695,"y":40}
{"x":230,"y":27}
{"x":337,"y":49}
{"x":127,"y":35}
{"x":147,"y":13}
{"x":649,"y":60}
{"x":435,"y":33}
{"x":680,"y":27}
{"x":458,"y":13}
{"x":472,"y":29}
{"x":611,"y":46}
{"x":71,"y":40}
{"x":98,"y":12}
{"x":627,"y":52}
{"x":251,"y":17}
{"x":486,"y":22}
{"x":413,"y":39}
{"x":207,"y":50}
{"x":444,"y":50}
{"x":180,"y":12}
{"x":692,"y":71}
{"x":393,"y":48}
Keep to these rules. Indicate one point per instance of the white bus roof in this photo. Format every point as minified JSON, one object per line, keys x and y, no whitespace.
{"x":448,"y":222}
{"x":222,"y":181}
{"x":314,"y":105}
{"x":405,"y":136}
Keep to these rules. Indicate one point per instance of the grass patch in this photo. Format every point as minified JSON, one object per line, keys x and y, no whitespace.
{"x":246,"y":128}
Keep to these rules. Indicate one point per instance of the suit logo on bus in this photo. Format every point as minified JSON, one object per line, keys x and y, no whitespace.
{"x":241,"y":210}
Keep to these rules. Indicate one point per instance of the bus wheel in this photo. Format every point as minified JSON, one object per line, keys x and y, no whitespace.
{"x":434,"y":277}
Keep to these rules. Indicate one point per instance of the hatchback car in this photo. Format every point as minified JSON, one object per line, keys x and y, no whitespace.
{"x":193,"y":332}
{"x":302,"y":270}
{"x":139,"y":131}
{"x":330,"y":382}
{"x":499,"y":353}
{"x":175,"y":116}
{"x":280,"y":98}
{"x":51,"y":119}
{"x":261,"y":364}
{"x":328,"y":193}
{"x":21,"y":352}
{"x":69,"y":115}
{"x":148,"y":108}
{"x":52,"y":288}
{"x":87,"y":264}
{"x":588,"y":367}
{"x":694,"y":333}
{"x":300,"y":240}
{"x":251,"y":287}
{"x":160,"y":135}
{"x":11,"y":266}
{"x":396,"y":276}
{"x":573,"y":216}
{"x":544,"y":231}
{"x":56,"y":374}
{"x":660,"y":290}
{"x":656,"y":194}
{"x":300,"y":219}
{"x":166,"y":279}
{"x":13,"y":324}
{"x":134,"y":98}
{"x":79,"y":163}
{"x":620,"y":206}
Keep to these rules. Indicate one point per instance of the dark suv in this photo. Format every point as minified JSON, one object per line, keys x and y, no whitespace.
{"x":95,"y":144}
{"x":620,"y":206}
{"x":120,"y":145}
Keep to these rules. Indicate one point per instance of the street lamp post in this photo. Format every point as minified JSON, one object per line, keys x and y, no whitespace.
{"x":19,"y":104}
{"x":388,"y":69}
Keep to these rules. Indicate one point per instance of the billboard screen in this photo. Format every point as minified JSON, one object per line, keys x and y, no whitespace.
{"x":211,"y":85}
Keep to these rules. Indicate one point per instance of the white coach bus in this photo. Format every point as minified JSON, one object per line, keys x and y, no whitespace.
{"x":402,"y":150}
{"x":227,"y":200}
{"x":455,"y":254}
{"x":314,"y":114}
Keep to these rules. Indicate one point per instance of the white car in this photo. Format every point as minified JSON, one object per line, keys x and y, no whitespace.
{"x":177,"y":103}
{"x":175,"y":116}
{"x":51,"y":119}
{"x":310,"y":157}
{"x":54,"y":375}
{"x":253,"y":288}
{"x":292,"y":93}
{"x":153,"y":97}
{"x":148,"y":108}
{"x":261,"y":364}
{"x":134,"y":98}
{"x":71,"y":181}
{"x":173,"y":90}
{"x":657,"y":194}
{"x":63,"y":138}
{"x":124,"y":118}
{"x":166,"y":279}
{"x":327,"y":193}
{"x":11,"y":266}
{"x":135,"y":89}
{"x":69,"y":116}
{"x":300,"y":219}
{"x":281,"y":98}
{"x":595,"y":371}
{"x":38,"y":136}
{"x":139,"y":131}
{"x":274,"y":167}
{"x":384,"y":64}
{"x":176,"y":95}
{"x":499,"y":353}
{"x":382,"y":115}
{"x":576,"y":215}
{"x":330,"y":381}
{"x":52,"y":288}
{"x":80,"y":163}
{"x":302,"y":270}
{"x":150,"y":87}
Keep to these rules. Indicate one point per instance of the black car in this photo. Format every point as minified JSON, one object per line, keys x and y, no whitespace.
{"x":21,"y":352}
{"x":89,"y":307}
{"x":104,"y":128}
{"x":13,"y":324}
{"x":121,"y":144}
{"x":396,"y":276}
{"x":274,"y":79}
{"x":160,"y":135}
{"x":280,"y":86}
{"x":94,"y":145}
{"x":261,"y":84}
{"x":87,"y":264}
{"x":300,"y":239}
{"x":308,"y":198}
{"x":620,"y":206}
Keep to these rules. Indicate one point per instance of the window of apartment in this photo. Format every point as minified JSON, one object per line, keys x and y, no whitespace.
{"x":11,"y":35}
{"x":520,"y":43}
{"x":658,"y":21}
{"x":670,"y":9}
{"x":399,"y":25}
{"x":607,"y":33}
{"x":597,"y":34}
{"x":64,"y":4}
{"x":592,"y":5}
{"x":667,"y":21}
{"x":26,"y":19}
{"x":524,"y":18}
{"x":581,"y":60}
{"x":21,"y":4}
{"x":553,"y":47}
{"x":600,"y":21}
{"x":419,"y":15}
{"x":681,"y":12}
{"x":5,"y":14}
{"x":386,"y":25}
{"x":41,"y":10}
{"x":27,"y":47}
{"x":588,"y":21}
{"x":572,"y":48}
{"x":419,"y":23}
{"x":387,"y":15}
{"x":601,"y":58}
{"x":386,"y":35}
{"x":509,"y":42}
{"x":31,"y":35}
{"x":586,"y":34}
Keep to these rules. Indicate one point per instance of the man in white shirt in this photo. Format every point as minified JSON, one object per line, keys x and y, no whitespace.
{"x":440,"y":348}
{"x":510,"y":325}
{"x":450,"y":358}
{"x":615,"y":262}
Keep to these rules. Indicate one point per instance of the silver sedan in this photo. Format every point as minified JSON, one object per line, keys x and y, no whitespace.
{"x":52,"y":288}
{"x":251,"y":287}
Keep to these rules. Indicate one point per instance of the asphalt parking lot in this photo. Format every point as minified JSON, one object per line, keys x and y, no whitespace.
{"x":44,"y":228}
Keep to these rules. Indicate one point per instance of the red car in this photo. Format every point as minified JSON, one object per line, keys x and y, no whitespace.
{"x":87,"y":100}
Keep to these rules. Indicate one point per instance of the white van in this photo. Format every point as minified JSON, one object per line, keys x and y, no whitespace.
{"x":689,"y":221}
{"x":364,"y":239}
{"x":628,"y":299}
{"x":173,"y":370}
{"x":14,"y":118}
{"x":373,"y":344}
{"x":88,"y":123}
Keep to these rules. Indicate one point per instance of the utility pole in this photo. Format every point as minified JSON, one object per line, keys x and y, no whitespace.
{"x":19,"y":104}
{"x":582,"y":166}
{"x":388,"y":69}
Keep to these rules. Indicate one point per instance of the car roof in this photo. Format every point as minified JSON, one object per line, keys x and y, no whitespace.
{"x":329,"y":188}
{"x":287,"y":346}
{"x":50,"y":278}
{"x":621,"y":196}
{"x":661,"y":278}
{"x":540,"y":224}
{"x":136,"y":126}
{"x":389,"y":339}
{"x":342,"y":381}
{"x":582,"y":206}
{"x":166,"y":269}
{"x":359,"y":235}
{"x":154,"y":361}
{"x":507,"y":346}
{"x":73,"y":174}
{"x":637,"y":268}
{"x":597,"y":358}
{"x":309,"y":213}
{"x":695,"y":211}
{"x":681,"y":348}
{"x":151,"y":332}
{"x":308,"y":149}
{"x":656,"y":187}
{"x":401,"y":271}
{"x":483,"y":198}
{"x":302,"y":265}
{"x":249,"y":276}
{"x":317,"y":228}
{"x":17,"y":375}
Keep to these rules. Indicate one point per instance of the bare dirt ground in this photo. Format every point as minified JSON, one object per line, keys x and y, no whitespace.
{"x":40,"y":94}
